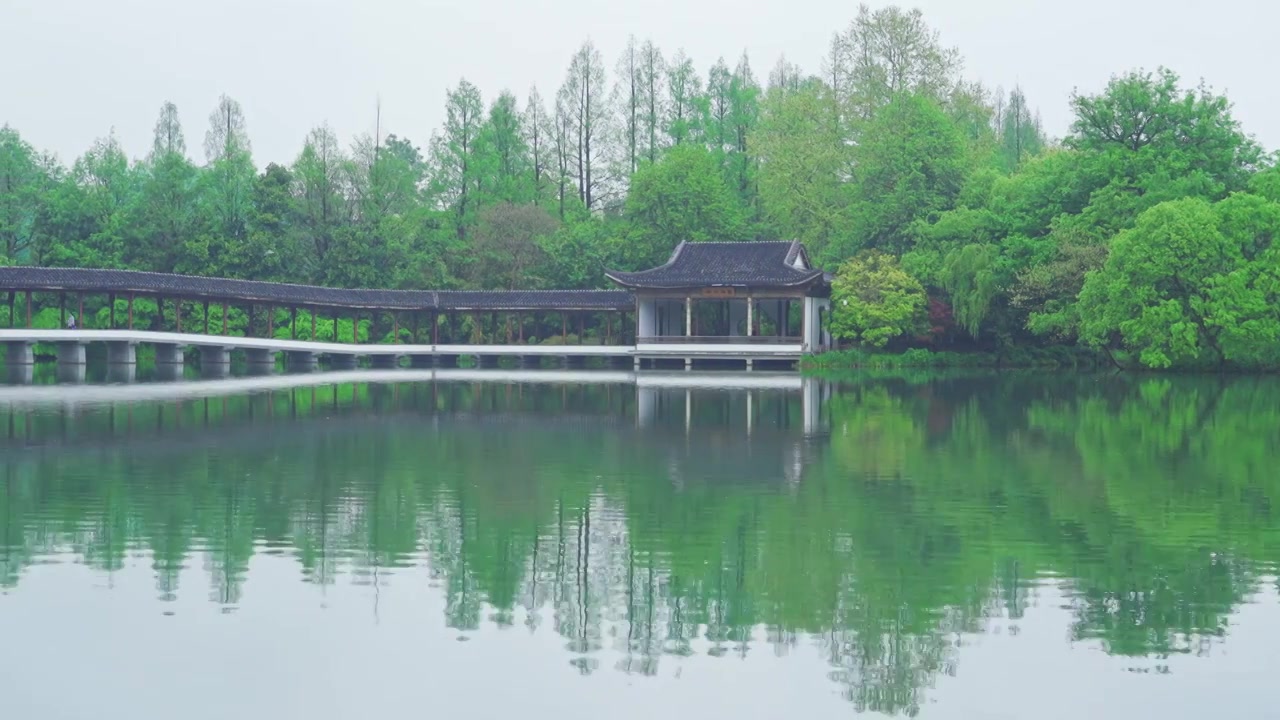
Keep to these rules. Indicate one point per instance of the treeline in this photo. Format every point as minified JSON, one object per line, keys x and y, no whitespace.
{"x":968,"y":226}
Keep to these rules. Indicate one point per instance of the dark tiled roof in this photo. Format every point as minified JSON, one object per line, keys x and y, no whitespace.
{"x":758,"y":264}
{"x":535,"y":300}
{"x":192,"y":287}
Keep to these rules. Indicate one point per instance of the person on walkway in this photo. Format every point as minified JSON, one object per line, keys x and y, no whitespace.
{"x":71,"y":321}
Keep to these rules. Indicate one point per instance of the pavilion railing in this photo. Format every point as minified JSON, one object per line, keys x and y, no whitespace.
{"x":718,"y":340}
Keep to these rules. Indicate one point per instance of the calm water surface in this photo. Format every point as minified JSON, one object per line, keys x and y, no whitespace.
{"x":1021,"y":546}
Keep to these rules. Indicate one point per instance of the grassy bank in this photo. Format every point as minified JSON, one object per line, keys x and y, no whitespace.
{"x":1054,"y":357}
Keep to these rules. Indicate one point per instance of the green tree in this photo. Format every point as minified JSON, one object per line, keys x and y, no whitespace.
{"x":682,"y":197}
{"x":803,"y":166}
{"x":910,"y":162}
{"x":1155,"y":294}
{"x":874,"y":300}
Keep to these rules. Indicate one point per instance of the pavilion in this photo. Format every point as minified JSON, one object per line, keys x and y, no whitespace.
{"x":731,"y":300}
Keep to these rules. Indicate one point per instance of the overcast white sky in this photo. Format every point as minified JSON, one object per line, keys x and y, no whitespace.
{"x":70,"y":70}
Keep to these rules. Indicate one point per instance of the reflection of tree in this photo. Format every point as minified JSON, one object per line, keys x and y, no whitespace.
{"x":934,"y":505}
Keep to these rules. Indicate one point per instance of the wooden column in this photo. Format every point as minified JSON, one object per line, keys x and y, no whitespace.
{"x":395,"y":328}
{"x":520,"y":327}
{"x":335,"y":326}
{"x":751,"y":315}
{"x":224,"y":318}
{"x":177,"y":313}
{"x":313,"y":324}
{"x":80,"y":309}
{"x":12,"y":320}
{"x":414,"y":331}
{"x":206,"y":318}
{"x":28,"y":308}
{"x":293,"y":323}
{"x":435,"y":327}
{"x":271,"y":323}
{"x":564,"y":327}
{"x":688,"y":317}
{"x":62,"y":310}
{"x":130,"y":311}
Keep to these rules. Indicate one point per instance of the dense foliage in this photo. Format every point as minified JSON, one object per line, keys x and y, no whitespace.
{"x":887,"y":148}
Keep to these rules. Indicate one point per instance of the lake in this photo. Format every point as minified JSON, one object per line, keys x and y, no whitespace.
{"x":485,"y":544}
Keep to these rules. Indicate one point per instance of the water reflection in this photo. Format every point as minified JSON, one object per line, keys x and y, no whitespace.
{"x":881,"y":520}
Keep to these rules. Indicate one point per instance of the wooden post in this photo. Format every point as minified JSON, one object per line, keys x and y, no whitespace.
{"x":520,"y":326}
{"x":248,"y":325}
{"x":80,"y":313}
{"x":335,"y":326}
{"x":12,"y":320}
{"x":582,"y":327}
{"x":564,"y":327}
{"x":435,"y":327}
{"x":271,"y":323}
{"x":206,"y":318}
{"x":224,"y":318}
{"x":62,"y":310}
{"x":608,"y":328}
{"x":28,"y":308}
{"x":414,"y":331}
{"x":177,"y":313}
{"x":688,"y":317}
{"x":293,"y":323}
{"x":313,"y":324}
{"x":395,"y":328}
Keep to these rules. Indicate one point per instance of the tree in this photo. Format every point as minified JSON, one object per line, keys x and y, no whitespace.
{"x":508,"y":252}
{"x":627,"y":98}
{"x":1019,"y":132}
{"x":319,"y":175}
{"x":1155,"y":294}
{"x":585,"y":99}
{"x":874,"y":300}
{"x":455,"y":162}
{"x":503,"y":140}
{"x":24,"y":187}
{"x":538,"y":127}
{"x":684,"y":100}
{"x":888,"y":53}
{"x":166,"y":220}
{"x":970,"y":277}
{"x":650,"y":78}
{"x":910,"y":162}
{"x":1152,"y":141}
{"x":227,"y":135}
{"x":803,"y":164}
{"x":744,"y":116}
{"x":682,"y":197}
{"x":168,"y":138}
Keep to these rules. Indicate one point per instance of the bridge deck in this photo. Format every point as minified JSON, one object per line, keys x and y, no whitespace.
{"x":728,"y":350}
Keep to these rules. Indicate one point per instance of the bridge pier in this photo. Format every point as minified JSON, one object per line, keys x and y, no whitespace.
{"x":261,"y":360}
{"x":343,"y":362}
{"x":169,"y":354}
{"x":21,"y":374}
{"x":169,"y":372}
{"x":71,"y":373}
{"x":215,"y":361}
{"x":384,"y":362}
{"x":300,"y":361}
{"x":122,"y":352}
{"x":71,"y":353}
{"x":19,"y":353}
{"x":122,"y":373}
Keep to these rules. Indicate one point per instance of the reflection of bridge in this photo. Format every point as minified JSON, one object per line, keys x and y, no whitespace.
{"x":656,"y":392}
